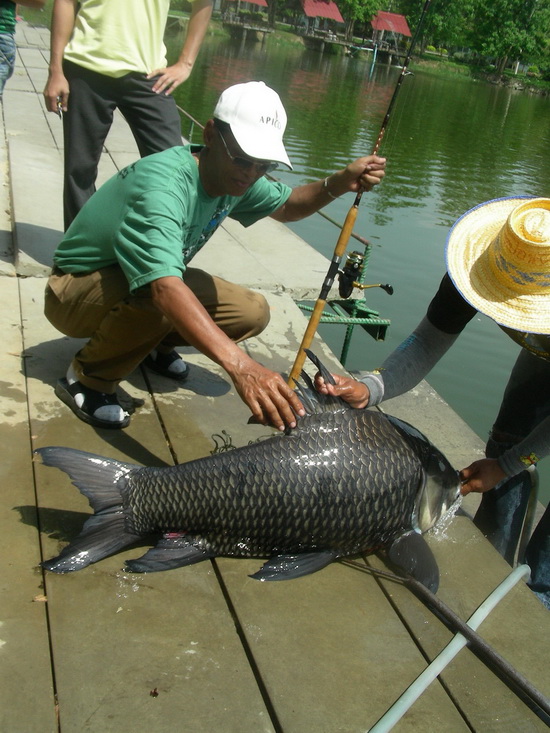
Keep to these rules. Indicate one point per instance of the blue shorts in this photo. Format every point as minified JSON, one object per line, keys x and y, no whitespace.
{"x":7,"y":58}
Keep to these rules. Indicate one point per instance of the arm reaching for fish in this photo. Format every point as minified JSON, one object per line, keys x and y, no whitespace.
{"x":404,"y":368}
{"x":355,"y":393}
{"x":481,"y":476}
{"x":265,"y":392}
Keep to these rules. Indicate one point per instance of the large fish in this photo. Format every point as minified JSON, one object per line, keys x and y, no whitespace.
{"x":342,"y":483}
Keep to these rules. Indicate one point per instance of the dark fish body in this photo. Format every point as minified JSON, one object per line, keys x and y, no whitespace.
{"x":343,"y":482}
{"x":346,"y":481}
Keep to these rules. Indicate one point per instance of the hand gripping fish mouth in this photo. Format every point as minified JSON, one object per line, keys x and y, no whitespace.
{"x":344,"y":482}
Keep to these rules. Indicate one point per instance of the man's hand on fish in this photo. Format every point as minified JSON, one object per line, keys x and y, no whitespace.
{"x":268,"y":396}
{"x":481,"y":476}
{"x":355,"y":393}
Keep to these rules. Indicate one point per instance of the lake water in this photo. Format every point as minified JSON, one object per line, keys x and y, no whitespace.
{"x":450,"y":144}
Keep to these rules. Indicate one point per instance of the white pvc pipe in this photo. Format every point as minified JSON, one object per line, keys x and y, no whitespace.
{"x":413,"y":692}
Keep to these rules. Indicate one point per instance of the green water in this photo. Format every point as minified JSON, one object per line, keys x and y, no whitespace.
{"x":450,"y":144}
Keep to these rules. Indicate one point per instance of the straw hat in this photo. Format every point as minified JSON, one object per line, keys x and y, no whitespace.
{"x":498,"y":256}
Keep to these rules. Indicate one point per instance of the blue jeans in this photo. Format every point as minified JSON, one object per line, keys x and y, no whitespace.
{"x":502,"y":510}
{"x":7,"y":58}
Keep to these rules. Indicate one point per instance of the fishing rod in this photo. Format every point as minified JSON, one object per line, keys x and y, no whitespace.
{"x":349,"y":223}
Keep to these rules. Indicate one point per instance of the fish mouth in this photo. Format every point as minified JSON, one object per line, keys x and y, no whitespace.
{"x":439,"y":491}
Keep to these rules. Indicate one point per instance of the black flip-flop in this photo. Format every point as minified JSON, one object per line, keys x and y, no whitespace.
{"x":162,"y":367}
{"x":66,"y":393}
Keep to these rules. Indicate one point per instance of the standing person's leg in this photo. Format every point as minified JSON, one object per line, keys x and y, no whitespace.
{"x":526,"y":402}
{"x":85,"y":126}
{"x":502,"y":510}
{"x":537,"y":556}
{"x":153,"y":118}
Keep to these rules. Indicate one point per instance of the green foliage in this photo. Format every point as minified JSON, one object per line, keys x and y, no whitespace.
{"x":182,"y":6}
{"x":491,"y":31}
{"x":496,"y":30}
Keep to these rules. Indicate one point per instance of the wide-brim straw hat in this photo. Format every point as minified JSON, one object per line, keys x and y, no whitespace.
{"x":498,"y":256}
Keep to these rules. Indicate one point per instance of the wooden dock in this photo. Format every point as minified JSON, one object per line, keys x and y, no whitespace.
{"x":206,"y":649}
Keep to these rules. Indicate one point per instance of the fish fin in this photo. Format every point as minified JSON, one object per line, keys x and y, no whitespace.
{"x":313,"y":401}
{"x":411,"y":553}
{"x":287,"y":567}
{"x":169,"y":553}
{"x":102,"y":535}
{"x":98,"y":478}
{"x":327,"y":376}
{"x":94,"y":476}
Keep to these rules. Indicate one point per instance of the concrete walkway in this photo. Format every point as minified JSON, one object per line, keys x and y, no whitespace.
{"x":206,"y":649}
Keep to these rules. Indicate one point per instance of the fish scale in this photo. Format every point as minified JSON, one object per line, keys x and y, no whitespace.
{"x":280,"y":487}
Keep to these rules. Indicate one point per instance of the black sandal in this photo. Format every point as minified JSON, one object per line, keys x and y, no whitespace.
{"x":160,"y":363}
{"x":93,"y":400}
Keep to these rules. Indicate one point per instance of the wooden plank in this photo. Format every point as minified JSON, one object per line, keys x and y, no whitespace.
{"x":329,"y":648}
{"x":25,"y":671}
{"x":115,"y":636}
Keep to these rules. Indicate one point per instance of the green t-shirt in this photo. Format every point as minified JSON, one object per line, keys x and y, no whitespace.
{"x":152,"y":217}
{"x":7,"y":16}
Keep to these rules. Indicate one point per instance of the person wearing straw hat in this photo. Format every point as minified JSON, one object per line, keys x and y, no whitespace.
{"x":498,"y":264}
{"x":121,"y":277}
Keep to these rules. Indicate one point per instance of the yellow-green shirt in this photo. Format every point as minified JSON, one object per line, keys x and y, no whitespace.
{"x":116,"y":37}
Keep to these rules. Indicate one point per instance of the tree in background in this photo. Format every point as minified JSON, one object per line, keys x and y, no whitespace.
{"x":361,"y":11}
{"x":505,"y":30}
{"x":495,"y":30}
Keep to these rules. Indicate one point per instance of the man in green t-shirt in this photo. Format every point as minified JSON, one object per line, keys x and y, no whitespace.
{"x":7,"y":36}
{"x":121,"y":277}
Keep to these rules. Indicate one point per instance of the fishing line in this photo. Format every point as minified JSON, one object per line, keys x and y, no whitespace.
{"x":394,"y":131}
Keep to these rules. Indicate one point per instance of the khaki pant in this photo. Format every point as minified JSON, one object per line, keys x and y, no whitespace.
{"x":123,"y":327}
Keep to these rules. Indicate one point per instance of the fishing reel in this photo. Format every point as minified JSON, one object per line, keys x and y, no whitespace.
{"x":349,"y":276}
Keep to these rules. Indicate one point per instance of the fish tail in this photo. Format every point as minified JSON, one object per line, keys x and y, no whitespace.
{"x":100,"y":479}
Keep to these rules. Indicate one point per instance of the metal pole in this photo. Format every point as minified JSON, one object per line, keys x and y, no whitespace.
{"x":465,"y":636}
{"x":477,"y":644}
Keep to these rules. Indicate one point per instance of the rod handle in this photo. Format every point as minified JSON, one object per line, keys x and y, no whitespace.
{"x":346,"y":231}
{"x":315,"y":317}
{"x":306,"y":342}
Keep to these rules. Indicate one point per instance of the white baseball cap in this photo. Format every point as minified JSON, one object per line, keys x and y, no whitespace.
{"x":257,"y":119}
